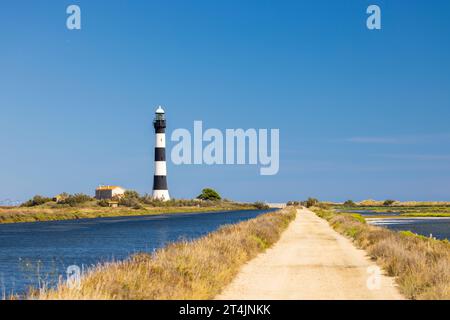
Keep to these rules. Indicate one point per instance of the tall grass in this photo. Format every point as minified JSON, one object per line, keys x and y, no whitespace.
{"x":199,"y":269}
{"x":420,"y":265}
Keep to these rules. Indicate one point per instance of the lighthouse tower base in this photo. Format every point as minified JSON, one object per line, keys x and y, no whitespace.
{"x":161,"y":195}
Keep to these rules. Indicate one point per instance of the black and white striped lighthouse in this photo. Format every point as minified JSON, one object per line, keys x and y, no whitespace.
{"x":160,"y":190}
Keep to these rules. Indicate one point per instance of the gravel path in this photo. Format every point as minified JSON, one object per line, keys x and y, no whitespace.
{"x":311,"y":261}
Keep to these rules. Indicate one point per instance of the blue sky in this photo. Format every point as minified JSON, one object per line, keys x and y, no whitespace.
{"x":362,"y":114}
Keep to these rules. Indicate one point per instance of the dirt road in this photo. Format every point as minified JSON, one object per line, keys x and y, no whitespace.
{"x":311,"y":261}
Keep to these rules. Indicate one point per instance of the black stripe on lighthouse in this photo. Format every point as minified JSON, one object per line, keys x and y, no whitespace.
{"x":160,"y":154}
{"x":160,"y":183}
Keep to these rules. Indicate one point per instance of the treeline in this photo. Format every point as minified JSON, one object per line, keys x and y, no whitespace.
{"x":313,"y":202}
{"x":310,"y":202}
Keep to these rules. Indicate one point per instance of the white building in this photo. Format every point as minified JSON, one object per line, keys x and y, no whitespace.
{"x":109,"y":192}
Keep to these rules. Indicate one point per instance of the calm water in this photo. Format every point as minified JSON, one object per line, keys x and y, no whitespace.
{"x":29,"y":251}
{"x":368,"y":213}
{"x":438,"y":227}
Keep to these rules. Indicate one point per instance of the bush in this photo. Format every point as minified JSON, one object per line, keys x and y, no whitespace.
{"x":103,"y":203}
{"x":131,"y":194}
{"x":260,"y":205}
{"x":311,"y":202}
{"x":388,"y":202}
{"x":293,"y":203}
{"x":349,"y":203}
{"x":131,"y":199}
{"x":137,"y":206}
{"x":323,"y":205}
{"x":209,"y":194}
{"x":130,"y":202}
{"x":149,"y":200}
{"x":36,"y":201}
{"x":76,"y":199}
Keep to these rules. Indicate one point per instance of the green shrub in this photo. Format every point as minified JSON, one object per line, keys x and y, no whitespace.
{"x":137,"y":206}
{"x":413,"y":235}
{"x":261,"y":205}
{"x":76,"y":199}
{"x":323,"y":205}
{"x":131,"y":199}
{"x":36,"y":201}
{"x":310,"y":202}
{"x":388,"y":202}
{"x":131,"y":194}
{"x":359,"y":217}
{"x":349,"y":203}
{"x":130,"y":202}
{"x":209,"y":194}
{"x":103,"y":203}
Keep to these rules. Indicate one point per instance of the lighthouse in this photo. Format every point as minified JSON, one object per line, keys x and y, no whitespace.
{"x":160,"y":190}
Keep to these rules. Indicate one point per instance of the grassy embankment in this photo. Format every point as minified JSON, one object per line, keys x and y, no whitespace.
{"x":52,"y":211}
{"x":420,"y":265}
{"x":199,"y":269}
{"x":416,"y":209}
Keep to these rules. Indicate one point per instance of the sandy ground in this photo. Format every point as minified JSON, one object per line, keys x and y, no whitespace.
{"x":311,"y":261}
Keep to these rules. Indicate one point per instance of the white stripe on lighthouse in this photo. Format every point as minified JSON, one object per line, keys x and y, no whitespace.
{"x":160,"y":140}
{"x":161,"y":194}
{"x":160,"y":168}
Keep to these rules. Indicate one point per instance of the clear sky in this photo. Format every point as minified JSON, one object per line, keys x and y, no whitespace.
{"x":362,"y":114}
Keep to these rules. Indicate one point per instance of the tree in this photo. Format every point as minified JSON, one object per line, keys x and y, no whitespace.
{"x":349,"y":203}
{"x":209,"y":194}
{"x":388,"y":202}
{"x":311,"y":202}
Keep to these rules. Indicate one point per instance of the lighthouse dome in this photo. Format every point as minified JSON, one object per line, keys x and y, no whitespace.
{"x":159,"y":110}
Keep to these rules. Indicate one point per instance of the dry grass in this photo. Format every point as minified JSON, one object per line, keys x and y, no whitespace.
{"x":420,"y":265}
{"x":185,"y":270}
